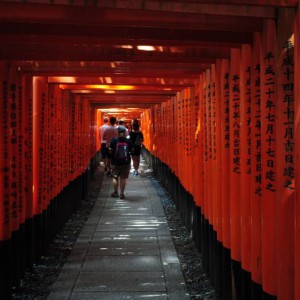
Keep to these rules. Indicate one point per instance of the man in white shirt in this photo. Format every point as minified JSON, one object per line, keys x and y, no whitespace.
{"x":104,"y":149}
{"x":110,"y":132}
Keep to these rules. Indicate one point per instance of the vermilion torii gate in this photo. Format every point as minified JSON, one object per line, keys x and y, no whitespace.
{"x":216,"y":82}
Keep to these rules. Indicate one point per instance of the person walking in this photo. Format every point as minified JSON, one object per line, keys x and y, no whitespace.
{"x":104,"y":149}
{"x":109,"y":133}
{"x":121,"y":123}
{"x":137,"y":138}
{"x":120,"y":149}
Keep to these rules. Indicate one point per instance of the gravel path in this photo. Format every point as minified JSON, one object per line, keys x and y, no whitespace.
{"x":37,"y":281}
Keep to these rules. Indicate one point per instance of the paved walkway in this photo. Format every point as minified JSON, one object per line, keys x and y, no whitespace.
{"x":125,"y":250}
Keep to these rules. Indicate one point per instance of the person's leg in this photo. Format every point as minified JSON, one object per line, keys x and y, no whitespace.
{"x":124,"y":173}
{"x":109,"y":166}
{"x":105,"y":161}
{"x":103,"y":156}
{"x":134,"y":158}
{"x":122,"y":185}
{"x":135,"y":162}
{"x":115,"y":176}
{"x":104,"y":152}
{"x":115,"y":183}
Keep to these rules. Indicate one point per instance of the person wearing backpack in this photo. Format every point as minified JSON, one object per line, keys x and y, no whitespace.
{"x":137,"y":138}
{"x":108,"y":134}
{"x":120,"y":148}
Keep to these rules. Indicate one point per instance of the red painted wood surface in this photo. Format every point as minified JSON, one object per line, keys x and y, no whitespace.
{"x":297,"y":158}
{"x":268,"y":152}
{"x":5,"y":217}
{"x":225,"y":151}
{"x":245,"y":152}
{"x":235,"y":159}
{"x":285,"y":170}
{"x":39,"y":99}
{"x":27,"y":131}
{"x":256,"y":164}
{"x":218,"y":152}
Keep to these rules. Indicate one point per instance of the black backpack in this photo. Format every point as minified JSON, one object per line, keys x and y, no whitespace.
{"x":122,"y":156}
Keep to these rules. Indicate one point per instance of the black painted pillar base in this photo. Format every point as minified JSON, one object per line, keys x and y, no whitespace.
{"x":29,"y":242}
{"x":256,"y":291}
{"x":5,"y":269}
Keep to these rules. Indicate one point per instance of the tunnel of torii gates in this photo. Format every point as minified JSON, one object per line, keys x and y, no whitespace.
{"x":225,"y":148}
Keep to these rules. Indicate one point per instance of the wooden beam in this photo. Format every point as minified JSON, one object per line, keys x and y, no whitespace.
{"x":140,"y":105}
{"x":123,"y":80}
{"x":156,"y":13}
{"x":148,"y":93}
{"x":96,"y":87}
{"x":103,"y":67}
{"x":123,"y":35}
{"x":127,"y":100}
{"x":83,"y":53}
{"x":186,"y":5}
{"x":174,"y":21}
{"x":49,"y":40}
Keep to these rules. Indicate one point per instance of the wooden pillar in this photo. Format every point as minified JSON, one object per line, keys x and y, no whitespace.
{"x":297,"y":154}
{"x":268,"y":127}
{"x":285,"y":149}
{"x":256,"y":164}
{"x":235,"y":159}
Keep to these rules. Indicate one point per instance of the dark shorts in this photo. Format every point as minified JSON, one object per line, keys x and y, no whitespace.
{"x":137,"y":150}
{"x":104,"y":151}
{"x":121,"y":171}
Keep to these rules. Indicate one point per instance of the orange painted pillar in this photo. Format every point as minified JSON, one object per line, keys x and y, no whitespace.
{"x":77,"y":128}
{"x":184,"y":142}
{"x":203,"y":103}
{"x":208,"y":166}
{"x":193,"y":159}
{"x":27,"y":144}
{"x":170,"y":132}
{"x":190,"y":131}
{"x":87,"y":125}
{"x":162,"y":132}
{"x":198,"y":165}
{"x":72,"y":138}
{"x":5,"y":218}
{"x":214,"y":167}
{"x":218,"y":152}
{"x":268,"y":113}
{"x":65,"y":137}
{"x":174,"y":135}
{"x":6,"y":263}
{"x":51,"y":145}
{"x":59,"y":155}
{"x":235,"y":158}
{"x":256,"y":164}
{"x":39,"y":99}
{"x":245,"y":153}
{"x":14,"y":165}
{"x":47,"y":181}
{"x":99,"y":123}
{"x":225,"y":151}
{"x":297,"y":153}
{"x":285,"y":170}
{"x":20,"y":150}
{"x":180,"y":155}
